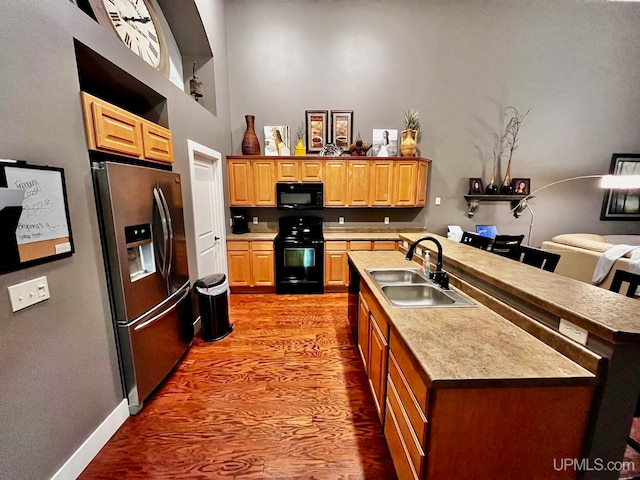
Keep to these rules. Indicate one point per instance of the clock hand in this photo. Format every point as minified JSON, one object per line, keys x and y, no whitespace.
{"x":135,"y":19}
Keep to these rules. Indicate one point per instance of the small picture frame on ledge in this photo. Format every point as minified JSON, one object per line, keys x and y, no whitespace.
{"x":475,"y":186}
{"x":521,"y":186}
{"x":317,"y":129}
{"x":342,"y":128}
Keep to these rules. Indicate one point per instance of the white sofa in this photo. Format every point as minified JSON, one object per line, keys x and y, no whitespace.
{"x":580,"y":252}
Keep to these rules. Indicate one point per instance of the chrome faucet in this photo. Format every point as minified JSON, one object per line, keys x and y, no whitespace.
{"x":438,"y":276}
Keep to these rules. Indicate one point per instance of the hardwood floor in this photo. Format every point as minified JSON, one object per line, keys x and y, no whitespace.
{"x":283,"y":397}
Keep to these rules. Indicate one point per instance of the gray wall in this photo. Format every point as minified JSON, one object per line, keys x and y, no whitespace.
{"x":58,"y":367}
{"x":575,"y":64}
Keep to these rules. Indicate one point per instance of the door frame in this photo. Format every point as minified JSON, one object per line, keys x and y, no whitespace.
{"x":200,"y":152}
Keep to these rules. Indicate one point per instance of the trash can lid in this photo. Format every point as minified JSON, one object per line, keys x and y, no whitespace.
{"x":211,"y":280}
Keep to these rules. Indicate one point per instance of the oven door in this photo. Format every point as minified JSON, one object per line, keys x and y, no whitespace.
{"x":299,"y":268}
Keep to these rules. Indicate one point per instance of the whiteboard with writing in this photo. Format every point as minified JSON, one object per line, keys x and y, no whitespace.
{"x":44,"y":214}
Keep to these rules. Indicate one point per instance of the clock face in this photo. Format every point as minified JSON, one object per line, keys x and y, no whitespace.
{"x":136,"y":28}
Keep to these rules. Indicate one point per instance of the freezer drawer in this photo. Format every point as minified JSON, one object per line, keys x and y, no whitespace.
{"x":152,"y":346}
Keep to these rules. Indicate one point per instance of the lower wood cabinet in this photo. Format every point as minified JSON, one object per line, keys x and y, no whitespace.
{"x":251,"y":264}
{"x":336,"y":267}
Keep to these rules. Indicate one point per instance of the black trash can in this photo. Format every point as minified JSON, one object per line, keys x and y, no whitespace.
{"x":214,"y":307}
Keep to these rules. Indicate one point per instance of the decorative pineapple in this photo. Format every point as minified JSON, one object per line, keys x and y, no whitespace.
{"x":408,"y":145}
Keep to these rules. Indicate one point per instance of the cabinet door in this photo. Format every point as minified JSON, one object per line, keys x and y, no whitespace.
{"x":378,"y":352}
{"x":264,"y":189}
{"x":156,"y":142}
{"x":116,"y":130}
{"x":421,"y":189}
{"x":404,"y":183}
{"x":381,"y":182}
{"x":240,"y":183}
{"x":310,"y":170}
{"x":336,"y":269}
{"x":358,"y":183}
{"x":335,"y":185}
{"x":239,"y":268}
{"x":288,"y":171}
{"x":363,"y":332}
{"x":262,"y":268}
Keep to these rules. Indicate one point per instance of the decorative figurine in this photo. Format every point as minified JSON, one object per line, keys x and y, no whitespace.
{"x":359,"y":148}
{"x":195,"y":85}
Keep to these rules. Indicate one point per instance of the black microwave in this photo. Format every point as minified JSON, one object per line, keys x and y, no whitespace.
{"x":299,"y":196}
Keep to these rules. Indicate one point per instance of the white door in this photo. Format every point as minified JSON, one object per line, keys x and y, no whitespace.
{"x":205,"y":167}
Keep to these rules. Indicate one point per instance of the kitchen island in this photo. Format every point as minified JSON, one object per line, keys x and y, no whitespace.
{"x":478,"y":384}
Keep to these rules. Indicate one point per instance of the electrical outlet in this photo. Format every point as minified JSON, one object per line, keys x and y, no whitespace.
{"x":231,"y":222}
{"x":255,"y":220}
{"x":438,"y":200}
{"x":341,"y":220}
{"x":27,"y":293}
{"x":386,"y":220}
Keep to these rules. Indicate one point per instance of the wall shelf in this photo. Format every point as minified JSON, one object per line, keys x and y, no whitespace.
{"x":473,"y":201}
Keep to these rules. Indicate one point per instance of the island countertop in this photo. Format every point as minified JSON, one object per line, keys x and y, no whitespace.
{"x":470,"y":347}
{"x":608,"y":315}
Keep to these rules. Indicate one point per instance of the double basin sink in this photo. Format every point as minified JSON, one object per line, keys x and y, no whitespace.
{"x":410,"y":288}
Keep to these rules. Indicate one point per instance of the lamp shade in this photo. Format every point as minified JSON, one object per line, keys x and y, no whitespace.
{"x":620,"y":182}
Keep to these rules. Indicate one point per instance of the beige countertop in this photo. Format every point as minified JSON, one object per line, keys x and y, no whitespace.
{"x":608,"y":315}
{"x":328,"y":235}
{"x":470,"y":347}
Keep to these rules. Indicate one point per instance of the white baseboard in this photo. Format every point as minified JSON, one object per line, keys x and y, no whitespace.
{"x":92,"y":445}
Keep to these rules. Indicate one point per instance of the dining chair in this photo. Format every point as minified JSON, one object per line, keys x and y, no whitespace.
{"x":475,"y":240}
{"x":620,"y":276}
{"x":506,"y":245}
{"x":536,"y":257}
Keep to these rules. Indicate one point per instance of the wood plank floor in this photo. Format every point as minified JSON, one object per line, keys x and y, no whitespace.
{"x":283,"y":397}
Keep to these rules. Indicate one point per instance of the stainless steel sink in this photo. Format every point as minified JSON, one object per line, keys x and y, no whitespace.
{"x":410,"y":288}
{"x":396,"y":275}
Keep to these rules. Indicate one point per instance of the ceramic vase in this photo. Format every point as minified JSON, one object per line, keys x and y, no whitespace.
{"x":506,"y":188}
{"x":301,"y":150}
{"x":492,"y":188}
{"x":408,"y":145}
{"x":250,"y":143}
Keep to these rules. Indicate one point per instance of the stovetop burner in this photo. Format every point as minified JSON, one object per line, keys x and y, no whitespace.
{"x":300,"y":229}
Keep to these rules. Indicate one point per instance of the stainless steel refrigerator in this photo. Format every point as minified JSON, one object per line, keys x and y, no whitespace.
{"x":144,"y":244}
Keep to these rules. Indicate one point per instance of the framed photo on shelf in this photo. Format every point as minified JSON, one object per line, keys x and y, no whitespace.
{"x":521,"y":186}
{"x":475,"y":186}
{"x":276,"y":141}
{"x":342,"y":128}
{"x":622,"y":204}
{"x":385,"y":142}
{"x":317,"y":130}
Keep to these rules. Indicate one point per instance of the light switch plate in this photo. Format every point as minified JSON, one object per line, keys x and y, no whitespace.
{"x":572,"y":331}
{"x":438,"y":200}
{"x":27,"y":293}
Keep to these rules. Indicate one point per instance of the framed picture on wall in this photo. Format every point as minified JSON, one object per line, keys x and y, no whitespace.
{"x":317,"y":130}
{"x":622,"y":204}
{"x":521,"y":186}
{"x":342,"y":128}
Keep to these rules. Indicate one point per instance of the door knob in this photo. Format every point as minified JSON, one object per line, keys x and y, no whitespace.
{"x":216,"y":238}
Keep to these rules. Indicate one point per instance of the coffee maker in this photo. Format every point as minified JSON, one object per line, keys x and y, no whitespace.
{"x":239,"y":223}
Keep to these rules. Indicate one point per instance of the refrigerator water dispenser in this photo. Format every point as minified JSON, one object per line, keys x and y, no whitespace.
{"x":139,"y":251}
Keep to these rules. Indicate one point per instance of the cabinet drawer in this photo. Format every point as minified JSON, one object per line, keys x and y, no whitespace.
{"x":360,"y":245}
{"x":399,"y":454}
{"x":384,"y":245}
{"x":413,"y":448}
{"x":409,"y":368}
{"x":263,"y":245}
{"x":241,"y":245}
{"x":335,"y":245}
{"x":414,"y":413}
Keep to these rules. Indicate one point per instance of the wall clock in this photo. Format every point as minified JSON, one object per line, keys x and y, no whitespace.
{"x":136,"y":24}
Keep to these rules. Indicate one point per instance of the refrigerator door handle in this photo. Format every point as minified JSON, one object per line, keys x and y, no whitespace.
{"x":167,"y":211}
{"x":161,"y":314}
{"x":165,"y":230}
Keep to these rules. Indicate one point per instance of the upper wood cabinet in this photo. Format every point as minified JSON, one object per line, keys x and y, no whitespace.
{"x":252,"y":182}
{"x":348,"y":181}
{"x":114,"y":130}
